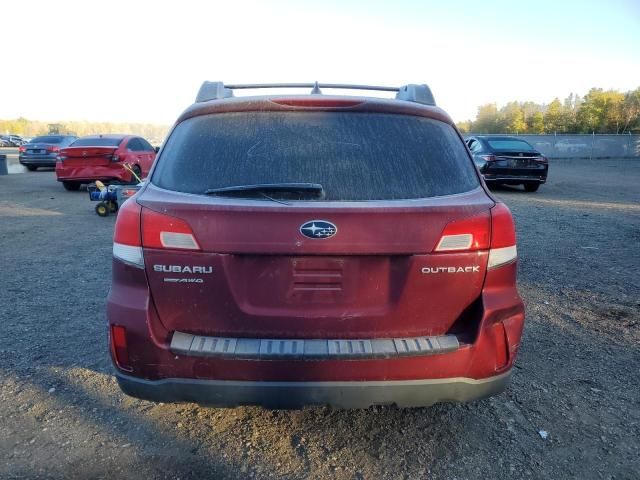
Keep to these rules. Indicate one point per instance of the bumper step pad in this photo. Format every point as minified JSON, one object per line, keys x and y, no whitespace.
{"x":314,"y":349}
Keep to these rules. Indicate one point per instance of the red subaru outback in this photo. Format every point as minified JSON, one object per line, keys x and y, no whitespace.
{"x":314,"y":249}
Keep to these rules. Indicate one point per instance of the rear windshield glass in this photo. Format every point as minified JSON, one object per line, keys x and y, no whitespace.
{"x":354,"y":156}
{"x":511,"y":145}
{"x":47,"y":139}
{"x":97,"y":142}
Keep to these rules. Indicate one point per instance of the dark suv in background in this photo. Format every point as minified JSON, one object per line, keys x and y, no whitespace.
{"x":509,"y":161}
{"x":43,"y":151}
{"x":314,"y":249}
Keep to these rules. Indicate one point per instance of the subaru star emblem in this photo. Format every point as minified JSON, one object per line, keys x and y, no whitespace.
{"x":318,"y":229}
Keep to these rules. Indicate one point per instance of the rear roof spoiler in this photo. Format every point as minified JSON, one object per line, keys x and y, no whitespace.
{"x":410,"y":93}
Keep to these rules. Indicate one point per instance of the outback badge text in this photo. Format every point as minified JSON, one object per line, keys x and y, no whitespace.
{"x":469,"y":269}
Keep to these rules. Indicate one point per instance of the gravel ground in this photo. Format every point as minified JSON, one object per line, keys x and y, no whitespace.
{"x":577,"y":376}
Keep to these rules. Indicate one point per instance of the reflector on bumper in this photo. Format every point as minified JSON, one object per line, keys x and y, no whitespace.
{"x":502,"y":256}
{"x":128,"y":254}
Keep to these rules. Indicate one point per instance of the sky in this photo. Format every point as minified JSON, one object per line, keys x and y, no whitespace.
{"x":143,"y":61}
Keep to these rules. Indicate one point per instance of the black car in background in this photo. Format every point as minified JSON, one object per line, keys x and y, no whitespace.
{"x":508,"y":161}
{"x":43,"y":151}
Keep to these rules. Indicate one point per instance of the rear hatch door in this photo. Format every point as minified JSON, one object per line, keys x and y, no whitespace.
{"x":256,"y":274}
{"x":392,"y":184}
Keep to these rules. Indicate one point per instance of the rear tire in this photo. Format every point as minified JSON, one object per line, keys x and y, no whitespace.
{"x":71,"y":186}
{"x":531,"y":187}
{"x":32,"y":168}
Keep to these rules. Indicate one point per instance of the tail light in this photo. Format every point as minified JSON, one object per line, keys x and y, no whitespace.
{"x":22,"y":149}
{"x":503,"y":237}
{"x":51,"y":148}
{"x":119,"y":349}
{"x":164,"y":231}
{"x":127,"y":240}
{"x":138,"y":227}
{"x":468,"y":234}
{"x":127,"y":192}
{"x":494,"y":231}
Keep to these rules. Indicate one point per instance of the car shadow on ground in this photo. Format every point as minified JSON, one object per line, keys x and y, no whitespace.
{"x":508,"y":188}
{"x":84,"y":406}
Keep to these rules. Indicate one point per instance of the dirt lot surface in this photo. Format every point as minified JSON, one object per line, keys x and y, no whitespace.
{"x":577,"y":377}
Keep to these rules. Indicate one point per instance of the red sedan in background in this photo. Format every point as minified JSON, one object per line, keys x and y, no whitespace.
{"x":102,"y":157}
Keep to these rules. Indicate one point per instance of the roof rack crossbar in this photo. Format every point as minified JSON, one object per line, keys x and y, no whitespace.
{"x":341,"y":86}
{"x":411,"y":92}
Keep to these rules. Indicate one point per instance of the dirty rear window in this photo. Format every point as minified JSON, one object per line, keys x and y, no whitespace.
{"x":355,"y":156}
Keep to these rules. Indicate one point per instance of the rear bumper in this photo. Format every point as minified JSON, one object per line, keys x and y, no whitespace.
{"x":90,"y":173}
{"x":185,"y":370}
{"x":43,"y":161}
{"x":514,"y":179}
{"x":349,"y":394}
{"x":515,"y":175}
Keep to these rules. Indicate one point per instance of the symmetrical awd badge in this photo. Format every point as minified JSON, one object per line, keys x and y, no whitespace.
{"x":318,"y":229}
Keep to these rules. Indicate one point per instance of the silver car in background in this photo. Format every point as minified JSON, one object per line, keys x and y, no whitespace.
{"x":43,"y":151}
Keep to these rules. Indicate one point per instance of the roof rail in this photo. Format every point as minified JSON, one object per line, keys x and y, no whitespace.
{"x":410,"y":93}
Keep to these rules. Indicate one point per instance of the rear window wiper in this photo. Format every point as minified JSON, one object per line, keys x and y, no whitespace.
{"x":261,"y":188}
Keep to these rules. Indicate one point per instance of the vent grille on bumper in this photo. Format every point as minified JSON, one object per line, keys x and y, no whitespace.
{"x":318,"y":349}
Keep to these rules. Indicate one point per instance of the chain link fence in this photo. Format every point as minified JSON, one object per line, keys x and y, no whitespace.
{"x":584,"y":146}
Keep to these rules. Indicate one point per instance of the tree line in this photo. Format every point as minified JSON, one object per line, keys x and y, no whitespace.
{"x":599,"y":111}
{"x":32,"y":128}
